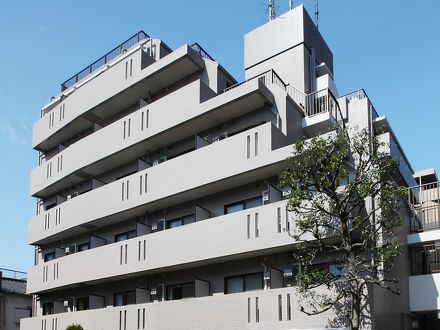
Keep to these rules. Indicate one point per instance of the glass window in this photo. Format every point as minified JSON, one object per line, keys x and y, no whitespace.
{"x":244,"y":283}
{"x":231,"y":208}
{"x":234,"y":285}
{"x":253,"y":282}
{"x":124,"y":298}
{"x":338,"y":271}
{"x":125,"y":236}
{"x":82,"y":304}
{"x":118,"y":299}
{"x":243,"y":205}
{"x":253,"y":202}
{"x":83,"y":247}
{"x":48,"y":308}
{"x":181,"y":221}
{"x":49,"y":256}
{"x":180,"y":291}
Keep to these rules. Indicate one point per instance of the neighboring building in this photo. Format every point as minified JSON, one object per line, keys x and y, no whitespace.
{"x":14,"y":303}
{"x":424,"y":246}
{"x":158,"y":203}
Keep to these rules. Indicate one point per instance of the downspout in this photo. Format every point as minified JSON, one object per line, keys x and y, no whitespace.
{"x":266,"y":286}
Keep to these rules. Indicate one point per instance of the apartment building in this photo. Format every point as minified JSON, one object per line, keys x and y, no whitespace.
{"x":158,"y":204}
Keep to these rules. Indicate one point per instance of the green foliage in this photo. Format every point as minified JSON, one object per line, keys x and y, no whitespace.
{"x":345,"y":203}
{"x":75,"y":327}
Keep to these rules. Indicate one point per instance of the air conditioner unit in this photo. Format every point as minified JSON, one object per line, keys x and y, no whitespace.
{"x":288,"y":273}
{"x":287,"y":192}
{"x":68,"y":303}
{"x":265,"y":196}
{"x":160,"y":225}
{"x":71,"y":249}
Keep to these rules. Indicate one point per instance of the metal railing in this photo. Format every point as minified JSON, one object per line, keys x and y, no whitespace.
{"x":15,"y":274}
{"x":425,"y":260}
{"x":361,"y":94}
{"x":424,"y":204}
{"x":322,"y":101}
{"x":202,"y":53}
{"x":268,"y":78}
{"x":311,"y":104}
{"x":115,"y":52}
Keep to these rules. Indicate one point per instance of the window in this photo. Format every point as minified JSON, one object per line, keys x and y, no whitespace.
{"x":242,"y":283}
{"x":49,"y":256}
{"x":48,"y":308}
{"x":180,"y":221}
{"x":124,"y":298}
{"x":180,"y":291}
{"x":82,"y":304}
{"x":125,"y":236}
{"x":338,"y":271}
{"x":243,"y":205}
{"x":83,"y":247}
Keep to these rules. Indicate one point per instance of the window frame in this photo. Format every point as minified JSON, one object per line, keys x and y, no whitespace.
{"x":167,"y":296}
{"x":243,"y":277}
{"x":128,"y":235}
{"x":243,"y":203}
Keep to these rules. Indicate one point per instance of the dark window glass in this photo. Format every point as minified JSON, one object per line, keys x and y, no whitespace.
{"x":125,"y":236}
{"x":243,"y":205}
{"x":253,"y":202}
{"x":180,"y":291}
{"x":124,"y":298}
{"x":231,"y":208}
{"x":187,"y":219}
{"x":48,"y":308}
{"x":49,"y":256}
{"x":244,"y":283}
{"x":82,"y":304}
{"x":83,"y":247}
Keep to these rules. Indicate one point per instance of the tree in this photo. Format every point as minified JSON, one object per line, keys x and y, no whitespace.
{"x":75,"y":327}
{"x":345,"y":201}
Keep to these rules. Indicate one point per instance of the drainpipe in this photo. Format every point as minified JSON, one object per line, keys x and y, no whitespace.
{"x":266,"y":286}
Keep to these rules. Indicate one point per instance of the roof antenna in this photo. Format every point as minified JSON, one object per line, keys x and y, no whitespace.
{"x":272,"y":10}
{"x":317,"y":14}
{"x":290,"y":4}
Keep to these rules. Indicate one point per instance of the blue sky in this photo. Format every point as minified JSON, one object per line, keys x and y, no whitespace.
{"x":391,"y":48}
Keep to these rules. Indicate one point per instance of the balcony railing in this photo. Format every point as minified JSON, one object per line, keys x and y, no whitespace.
{"x":359,"y":95}
{"x":312,"y":104}
{"x":10,"y":273}
{"x":202,"y":53}
{"x":426,"y":260}
{"x":115,"y":52}
{"x":424,"y":204}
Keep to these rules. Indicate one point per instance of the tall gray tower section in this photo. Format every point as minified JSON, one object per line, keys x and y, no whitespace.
{"x":292,"y":46}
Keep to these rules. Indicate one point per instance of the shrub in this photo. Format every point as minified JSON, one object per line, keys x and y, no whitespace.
{"x":75,"y":327}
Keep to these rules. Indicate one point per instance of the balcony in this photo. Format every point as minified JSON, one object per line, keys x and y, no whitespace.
{"x":252,"y":155}
{"x":249,"y":232}
{"x":424,"y":285}
{"x":264,"y":309}
{"x":321,"y":112}
{"x":170,"y":119}
{"x":424,"y":204}
{"x":144,"y":70}
{"x":321,"y":109}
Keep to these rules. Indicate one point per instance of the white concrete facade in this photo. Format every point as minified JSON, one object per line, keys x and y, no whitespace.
{"x":158,"y":139}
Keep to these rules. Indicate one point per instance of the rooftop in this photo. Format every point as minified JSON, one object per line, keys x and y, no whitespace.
{"x":14,"y":282}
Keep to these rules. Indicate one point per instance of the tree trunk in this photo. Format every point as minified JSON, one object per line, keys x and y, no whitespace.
{"x":355,"y":314}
